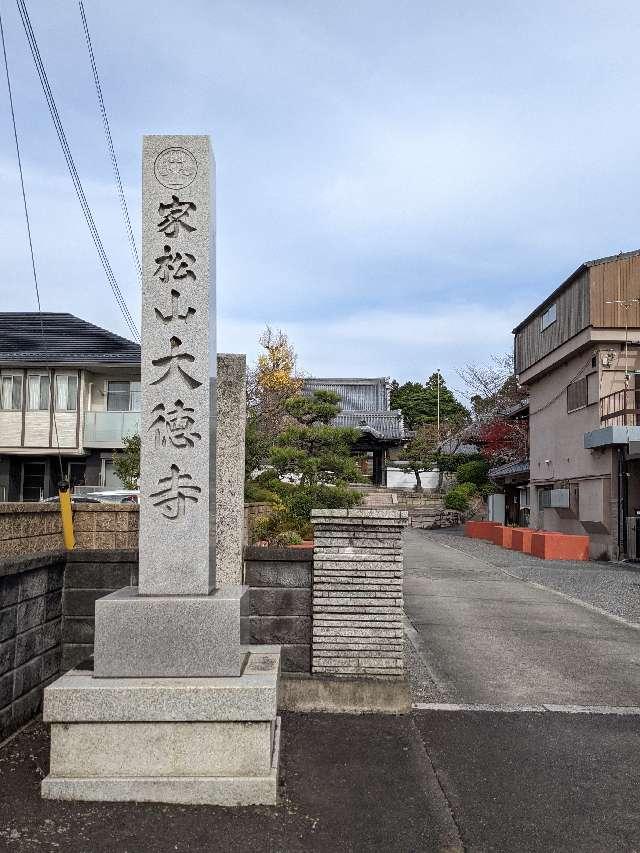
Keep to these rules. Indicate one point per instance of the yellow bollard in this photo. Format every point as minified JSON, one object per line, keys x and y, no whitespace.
{"x":67,"y":518}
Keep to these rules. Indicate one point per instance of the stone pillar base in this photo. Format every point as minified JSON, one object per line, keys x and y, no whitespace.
{"x":209,"y":741}
{"x":141,"y":636}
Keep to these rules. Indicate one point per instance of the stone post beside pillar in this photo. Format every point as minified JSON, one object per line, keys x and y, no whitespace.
{"x":230,"y":435}
{"x":357,"y":592}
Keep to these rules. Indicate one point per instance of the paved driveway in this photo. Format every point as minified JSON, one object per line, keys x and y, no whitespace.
{"x":493,"y":639}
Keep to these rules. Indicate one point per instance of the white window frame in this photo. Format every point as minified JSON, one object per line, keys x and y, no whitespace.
{"x":40,"y":407}
{"x":16,"y":378}
{"x":549,"y":317}
{"x":71,"y":399}
{"x":133,"y":394}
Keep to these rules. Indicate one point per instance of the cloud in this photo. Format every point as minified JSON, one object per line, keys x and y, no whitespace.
{"x":386,"y":343}
{"x":397,"y":185}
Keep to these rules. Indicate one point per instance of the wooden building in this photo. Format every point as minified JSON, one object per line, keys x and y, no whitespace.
{"x":578,"y":354}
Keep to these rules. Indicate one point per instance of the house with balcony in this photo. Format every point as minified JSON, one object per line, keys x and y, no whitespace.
{"x":578,"y":355}
{"x":69,"y":393}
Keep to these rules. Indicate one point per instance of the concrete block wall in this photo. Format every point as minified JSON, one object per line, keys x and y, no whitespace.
{"x":89,"y":575}
{"x":36,"y":528}
{"x":357,"y":592}
{"x":279,"y":581}
{"x":106,"y":526}
{"x":30,"y":528}
{"x":30,"y":635}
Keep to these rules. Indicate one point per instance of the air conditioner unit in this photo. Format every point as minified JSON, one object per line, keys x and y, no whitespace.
{"x":559,"y":498}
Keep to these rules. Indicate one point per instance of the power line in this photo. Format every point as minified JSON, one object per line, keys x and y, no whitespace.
{"x":86,"y":209}
{"x":24,"y":196}
{"x":33,"y":260}
{"x":107,"y":133}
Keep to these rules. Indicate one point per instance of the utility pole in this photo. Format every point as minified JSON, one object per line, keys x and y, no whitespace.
{"x":438,"y":410}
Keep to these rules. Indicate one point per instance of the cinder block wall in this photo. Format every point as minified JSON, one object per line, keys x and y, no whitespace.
{"x":279,"y":581}
{"x":89,"y":575}
{"x":30,"y":635}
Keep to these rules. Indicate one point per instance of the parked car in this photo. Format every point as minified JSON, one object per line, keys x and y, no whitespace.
{"x":76,"y":499}
{"x":116,"y":496}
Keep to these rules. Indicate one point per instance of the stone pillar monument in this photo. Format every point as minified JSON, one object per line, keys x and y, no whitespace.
{"x":175,"y":709}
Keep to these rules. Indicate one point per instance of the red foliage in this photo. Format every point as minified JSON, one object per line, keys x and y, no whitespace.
{"x":503,"y":440}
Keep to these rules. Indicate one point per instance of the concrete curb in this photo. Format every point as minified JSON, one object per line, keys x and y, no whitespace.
{"x":307,"y":694}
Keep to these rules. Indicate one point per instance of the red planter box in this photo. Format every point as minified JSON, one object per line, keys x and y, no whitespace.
{"x":512,"y":544}
{"x":480,"y":529}
{"x":521,"y":539}
{"x":503,"y":536}
{"x":559,"y":546}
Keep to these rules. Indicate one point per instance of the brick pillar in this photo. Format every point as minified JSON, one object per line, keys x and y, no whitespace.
{"x":357,"y":592}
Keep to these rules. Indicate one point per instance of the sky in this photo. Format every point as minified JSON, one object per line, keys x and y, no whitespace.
{"x":398,"y":184}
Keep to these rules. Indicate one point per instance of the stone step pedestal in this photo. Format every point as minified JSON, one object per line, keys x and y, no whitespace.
{"x":190,"y":740}
{"x":140,"y":636}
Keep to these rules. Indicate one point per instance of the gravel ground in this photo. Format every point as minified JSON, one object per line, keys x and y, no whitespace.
{"x":423,"y":687}
{"x":614,"y":587}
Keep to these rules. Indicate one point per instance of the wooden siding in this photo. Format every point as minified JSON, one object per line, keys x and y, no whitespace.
{"x":572,"y":307}
{"x":10,"y":428}
{"x":616,"y":280}
{"x":66,"y":423}
{"x":37,"y":429}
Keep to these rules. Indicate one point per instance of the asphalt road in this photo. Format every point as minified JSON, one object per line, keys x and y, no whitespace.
{"x":538,"y":783}
{"x":493,"y":639}
{"x":348,"y":785}
{"x":536,"y":780}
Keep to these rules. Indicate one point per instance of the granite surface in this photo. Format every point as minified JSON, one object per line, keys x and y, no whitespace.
{"x":230,"y":439}
{"x":177,"y":505}
{"x":139,"y":636}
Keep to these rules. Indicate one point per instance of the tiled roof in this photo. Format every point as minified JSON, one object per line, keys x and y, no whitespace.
{"x":510,"y":469}
{"x":48,"y":338}
{"x":382,"y":425}
{"x":357,"y":395}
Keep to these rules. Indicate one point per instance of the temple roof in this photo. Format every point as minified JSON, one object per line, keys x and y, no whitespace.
{"x":357,"y":395}
{"x":365,"y":406}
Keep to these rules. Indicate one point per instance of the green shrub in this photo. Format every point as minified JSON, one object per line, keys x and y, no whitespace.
{"x":255,"y":493}
{"x":467,"y":489}
{"x":457,"y":499}
{"x":273,"y":530}
{"x":473,"y":472}
{"x":488,"y":489}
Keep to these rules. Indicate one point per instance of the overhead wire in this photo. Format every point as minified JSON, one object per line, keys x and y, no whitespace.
{"x":84,"y":204}
{"x":107,"y":133}
{"x":28,"y":224}
{"x":24,"y":195}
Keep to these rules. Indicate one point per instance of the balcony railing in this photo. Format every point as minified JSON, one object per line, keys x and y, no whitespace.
{"x":107,"y":429}
{"x":622,"y":408}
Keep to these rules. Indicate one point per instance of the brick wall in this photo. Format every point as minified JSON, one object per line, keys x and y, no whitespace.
{"x":279,"y":581}
{"x":357,"y":592}
{"x":30,"y":635}
{"x":35,"y":528}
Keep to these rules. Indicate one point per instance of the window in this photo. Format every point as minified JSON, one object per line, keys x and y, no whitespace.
{"x":123,"y":397}
{"x":38,"y":392}
{"x":11,"y":396}
{"x":548,"y":318}
{"x":544,"y":498}
{"x":577,"y":395}
{"x":66,"y":393}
